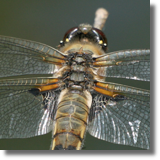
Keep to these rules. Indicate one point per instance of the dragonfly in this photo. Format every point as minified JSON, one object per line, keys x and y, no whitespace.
{"x":66,"y":90}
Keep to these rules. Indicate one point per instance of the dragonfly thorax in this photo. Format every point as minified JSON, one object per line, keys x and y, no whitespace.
{"x":79,"y":74}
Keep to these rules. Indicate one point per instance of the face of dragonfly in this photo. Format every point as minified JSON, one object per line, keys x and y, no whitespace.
{"x":32,"y":101}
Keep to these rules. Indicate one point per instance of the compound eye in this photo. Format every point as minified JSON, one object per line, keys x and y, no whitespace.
{"x":101,"y":35}
{"x":102,"y":40}
{"x":69,"y":34}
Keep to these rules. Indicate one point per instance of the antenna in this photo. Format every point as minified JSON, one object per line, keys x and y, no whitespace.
{"x":101,"y":16}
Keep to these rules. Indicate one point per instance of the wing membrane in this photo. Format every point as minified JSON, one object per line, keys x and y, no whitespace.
{"x":130,"y":64}
{"x":122,"y":120}
{"x":25,"y":114}
{"x":22,"y":57}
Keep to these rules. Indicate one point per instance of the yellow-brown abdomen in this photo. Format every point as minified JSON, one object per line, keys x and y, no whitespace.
{"x":71,"y":120}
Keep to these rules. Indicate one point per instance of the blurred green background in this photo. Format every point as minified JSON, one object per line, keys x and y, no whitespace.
{"x":128,"y":27}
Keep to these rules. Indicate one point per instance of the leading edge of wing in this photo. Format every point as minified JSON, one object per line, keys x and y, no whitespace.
{"x":115,"y":89}
{"x":18,"y":44}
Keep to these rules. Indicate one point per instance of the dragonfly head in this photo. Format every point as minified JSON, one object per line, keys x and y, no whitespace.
{"x":87,"y":34}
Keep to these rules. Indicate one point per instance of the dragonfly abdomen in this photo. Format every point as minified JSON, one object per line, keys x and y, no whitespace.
{"x":71,"y":119}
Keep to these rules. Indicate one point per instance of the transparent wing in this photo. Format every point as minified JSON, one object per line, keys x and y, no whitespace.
{"x":22,"y":57}
{"x":124,"y":119}
{"x":130,"y":64}
{"x":24,"y":112}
